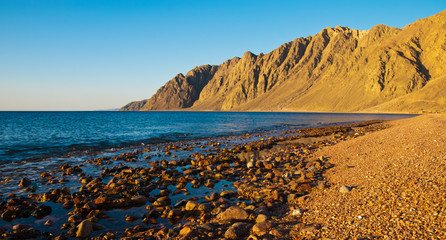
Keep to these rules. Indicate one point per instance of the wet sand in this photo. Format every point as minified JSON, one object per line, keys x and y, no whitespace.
{"x":283,"y":187}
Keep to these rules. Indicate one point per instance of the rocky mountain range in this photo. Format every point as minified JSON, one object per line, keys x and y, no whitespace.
{"x":384,"y":69}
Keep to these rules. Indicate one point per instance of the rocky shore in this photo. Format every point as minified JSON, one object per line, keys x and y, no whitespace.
{"x":366,"y":180}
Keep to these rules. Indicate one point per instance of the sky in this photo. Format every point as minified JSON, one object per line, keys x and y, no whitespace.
{"x":76,"y":55}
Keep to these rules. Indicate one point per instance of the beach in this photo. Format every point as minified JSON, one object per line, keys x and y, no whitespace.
{"x":374,"y":179}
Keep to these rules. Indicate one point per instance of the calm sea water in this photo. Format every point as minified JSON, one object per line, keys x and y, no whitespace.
{"x":40,"y":135}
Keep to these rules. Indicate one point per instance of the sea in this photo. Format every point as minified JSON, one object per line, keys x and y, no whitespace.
{"x":35,"y":142}
{"x":37,"y":136}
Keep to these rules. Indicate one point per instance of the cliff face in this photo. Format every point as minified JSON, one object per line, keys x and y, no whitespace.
{"x":338,"y":69}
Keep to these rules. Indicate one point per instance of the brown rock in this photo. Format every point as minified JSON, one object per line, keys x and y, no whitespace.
{"x":238,"y":230}
{"x":338,"y":69}
{"x":234,"y":213}
{"x":84,"y":229}
{"x":261,"y":218}
{"x":191,"y":205}
{"x":261,"y":228}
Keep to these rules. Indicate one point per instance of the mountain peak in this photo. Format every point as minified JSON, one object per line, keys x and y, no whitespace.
{"x":339,"y":69}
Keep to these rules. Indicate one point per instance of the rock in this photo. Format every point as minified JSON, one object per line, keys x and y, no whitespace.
{"x":228,"y":194}
{"x":26,"y":233}
{"x":277,"y":233}
{"x":297,"y":212}
{"x":41,"y":211}
{"x":141,"y":200}
{"x":250,"y":164}
{"x":174,"y":213}
{"x":208,"y":226}
{"x":19,"y":227}
{"x":191,"y":205}
{"x":7,"y":215}
{"x":204,"y":207}
{"x":261,"y":228}
{"x":261,"y":218}
{"x":74,"y":218}
{"x":68,"y":204}
{"x":129,"y":218}
{"x":345,"y":189}
{"x":49,"y":223}
{"x":234,"y":213}
{"x":25,"y":182}
{"x":84,"y":229}
{"x":238,"y":230}
{"x":101,"y":200}
{"x":187,"y":233}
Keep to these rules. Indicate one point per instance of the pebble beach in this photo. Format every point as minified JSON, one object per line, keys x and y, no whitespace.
{"x":369,"y":180}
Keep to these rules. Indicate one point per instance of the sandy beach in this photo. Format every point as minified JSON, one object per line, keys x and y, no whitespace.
{"x":372,"y":180}
{"x":397,"y":180}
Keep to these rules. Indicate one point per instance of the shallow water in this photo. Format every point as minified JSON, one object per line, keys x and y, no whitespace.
{"x":37,"y":135}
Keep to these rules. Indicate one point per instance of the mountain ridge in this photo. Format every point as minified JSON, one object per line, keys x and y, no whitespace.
{"x":337,"y":70}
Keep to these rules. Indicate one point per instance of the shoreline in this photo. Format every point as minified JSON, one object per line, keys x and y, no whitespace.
{"x":189,"y":199}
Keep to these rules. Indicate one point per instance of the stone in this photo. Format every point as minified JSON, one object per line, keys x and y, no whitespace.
{"x":238,"y":230}
{"x":261,"y":218}
{"x":140,"y":200}
{"x":234,"y":213}
{"x":261,"y":228}
{"x":49,"y":223}
{"x":74,"y":218}
{"x":345,"y":189}
{"x":41,"y":211}
{"x":250,"y":164}
{"x":297,"y":212}
{"x":24,"y":182}
{"x":84,"y":229}
{"x":191,"y":205}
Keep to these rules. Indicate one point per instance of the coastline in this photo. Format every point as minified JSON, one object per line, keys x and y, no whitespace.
{"x":279,"y":195}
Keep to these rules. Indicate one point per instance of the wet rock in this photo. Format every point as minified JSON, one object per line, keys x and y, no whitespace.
{"x":41,"y":211}
{"x":129,"y":218}
{"x":8,"y":215}
{"x":228,"y":194}
{"x":49,"y":223}
{"x":141,"y":200}
{"x":20,"y":227}
{"x":75,"y":218}
{"x":26,"y":233}
{"x":345,"y":189}
{"x":234,"y":213}
{"x":84,"y":229}
{"x":191,"y":205}
{"x":174,"y":213}
{"x":204,"y":207}
{"x":214,"y":196}
{"x":238,"y":230}
{"x":68,"y":204}
{"x":24,"y":182}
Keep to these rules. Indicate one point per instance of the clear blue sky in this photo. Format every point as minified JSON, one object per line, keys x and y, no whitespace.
{"x":102,"y":54}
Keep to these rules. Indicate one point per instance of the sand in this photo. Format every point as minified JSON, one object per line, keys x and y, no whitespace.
{"x":398,"y":185}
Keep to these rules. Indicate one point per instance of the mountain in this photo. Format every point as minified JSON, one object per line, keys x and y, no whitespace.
{"x":383,"y":69}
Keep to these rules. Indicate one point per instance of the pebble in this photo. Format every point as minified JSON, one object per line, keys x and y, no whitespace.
{"x":344,"y":189}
